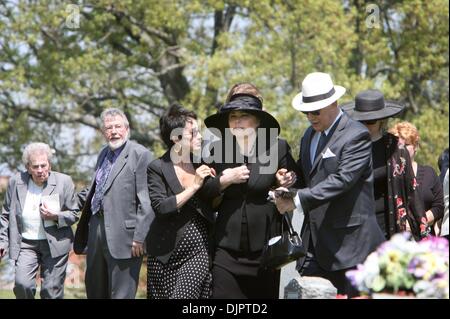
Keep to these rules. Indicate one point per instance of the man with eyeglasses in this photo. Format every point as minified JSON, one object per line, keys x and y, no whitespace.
{"x":116,"y":213}
{"x":336,"y":181}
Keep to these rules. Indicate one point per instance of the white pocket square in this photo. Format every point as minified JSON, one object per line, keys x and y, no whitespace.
{"x":328,"y":153}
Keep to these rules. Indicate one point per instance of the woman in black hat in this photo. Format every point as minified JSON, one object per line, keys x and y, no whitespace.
{"x":397,"y":201}
{"x":246,"y":167}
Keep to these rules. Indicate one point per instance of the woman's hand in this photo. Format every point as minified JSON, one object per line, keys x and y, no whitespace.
{"x":200,"y":174}
{"x":285,"y":178}
{"x":47,"y":213}
{"x":430,"y":217}
{"x":237,"y":175}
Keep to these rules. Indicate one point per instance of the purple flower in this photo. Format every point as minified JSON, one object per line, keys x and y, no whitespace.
{"x":403,"y":264}
{"x":415,"y":267}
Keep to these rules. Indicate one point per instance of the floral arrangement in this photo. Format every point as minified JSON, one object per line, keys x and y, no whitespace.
{"x":402,"y":265}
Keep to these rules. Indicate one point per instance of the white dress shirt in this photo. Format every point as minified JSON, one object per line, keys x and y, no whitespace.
{"x":316,"y":137}
{"x":33,"y":228}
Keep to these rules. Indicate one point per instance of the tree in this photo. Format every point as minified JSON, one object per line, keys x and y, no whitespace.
{"x":141,"y":56}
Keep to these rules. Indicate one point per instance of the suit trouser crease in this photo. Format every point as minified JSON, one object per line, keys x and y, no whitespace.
{"x":35,"y":253}
{"x":108,"y":277}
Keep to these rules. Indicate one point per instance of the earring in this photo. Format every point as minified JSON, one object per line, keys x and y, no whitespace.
{"x":177,"y":148}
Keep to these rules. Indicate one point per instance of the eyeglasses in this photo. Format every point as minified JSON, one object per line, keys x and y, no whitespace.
{"x":370,"y":122}
{"x":118,"y":127}
{"x":316,"y":113}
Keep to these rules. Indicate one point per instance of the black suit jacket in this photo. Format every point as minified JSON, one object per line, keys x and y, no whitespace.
{"x":170,"y":223}
{"x":338,"y":197}
{"x":251,"y":196}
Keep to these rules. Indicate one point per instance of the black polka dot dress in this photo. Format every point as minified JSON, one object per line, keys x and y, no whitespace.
{"x":187,"y":274}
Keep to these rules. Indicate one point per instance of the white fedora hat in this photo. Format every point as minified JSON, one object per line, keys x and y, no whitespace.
{"x":317,"y":92}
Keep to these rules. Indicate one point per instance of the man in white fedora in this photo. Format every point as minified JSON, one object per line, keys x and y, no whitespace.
{"x":336,"y":182}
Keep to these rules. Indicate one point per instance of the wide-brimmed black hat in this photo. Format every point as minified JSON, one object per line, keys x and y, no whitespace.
{"x":370,"y":105}
{"x":245,"y":103}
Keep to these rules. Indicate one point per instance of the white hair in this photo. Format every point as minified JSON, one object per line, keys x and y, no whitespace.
{"x":36,"y":148}
{"x":111,"y":112}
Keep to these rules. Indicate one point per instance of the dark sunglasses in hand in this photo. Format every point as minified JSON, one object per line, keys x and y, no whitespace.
{"x":316,"y":113}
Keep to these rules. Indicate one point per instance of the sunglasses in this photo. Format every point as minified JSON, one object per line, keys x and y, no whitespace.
{"x":316,"y":113}
{"x":371,"y":122}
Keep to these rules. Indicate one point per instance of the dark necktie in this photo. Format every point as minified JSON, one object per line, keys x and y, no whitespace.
{"x":101,"y":177}
{"x":320,"y":145}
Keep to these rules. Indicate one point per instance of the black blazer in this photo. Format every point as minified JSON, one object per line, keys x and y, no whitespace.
{"x":170,"y":223}
{"x":251,"y":196}
{"x":338,"y":197}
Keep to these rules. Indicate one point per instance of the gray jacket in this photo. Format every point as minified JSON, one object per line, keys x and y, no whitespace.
{"x":338,"y":197}
{"x":126,"y":203}
{"x":59,"y":236}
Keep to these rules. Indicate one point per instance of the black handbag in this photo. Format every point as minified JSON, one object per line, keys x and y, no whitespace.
{"x":282,"y":249}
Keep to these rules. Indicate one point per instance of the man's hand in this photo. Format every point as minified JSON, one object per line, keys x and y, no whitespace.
{"x":48,"y":214}
{"x":137,"y":249}
{"x":285,"y":178}
{"x":283,"y":204}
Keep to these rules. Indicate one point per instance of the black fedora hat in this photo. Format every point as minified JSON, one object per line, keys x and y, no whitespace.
{"x":245,"y":103}
{"x":369,"y":105}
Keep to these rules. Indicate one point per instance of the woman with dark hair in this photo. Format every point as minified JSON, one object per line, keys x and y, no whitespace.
{"x":251,"y":155}
{"x":397,"y":200}
{"x":178,"y":239}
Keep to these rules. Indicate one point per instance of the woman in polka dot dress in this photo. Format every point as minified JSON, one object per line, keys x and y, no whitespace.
{"x":178,"y":240}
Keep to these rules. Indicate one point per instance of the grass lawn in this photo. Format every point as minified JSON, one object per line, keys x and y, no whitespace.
{"x":78,"y":291}
{"x":69,"y":293}
{"x":6,"y":294}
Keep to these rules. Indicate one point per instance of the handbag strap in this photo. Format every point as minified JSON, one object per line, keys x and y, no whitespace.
{"x":291,"y":229}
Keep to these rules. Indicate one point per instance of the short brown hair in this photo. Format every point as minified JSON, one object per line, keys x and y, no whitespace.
{"x":244,"y":89}
{"x":406,"y":131}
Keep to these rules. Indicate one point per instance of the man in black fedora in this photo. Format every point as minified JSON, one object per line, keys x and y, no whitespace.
{"x":336,"y":183}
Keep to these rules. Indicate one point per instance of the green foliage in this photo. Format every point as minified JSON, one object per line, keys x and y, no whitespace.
{"x":432,"y":125}
{"x":143,"y":55}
